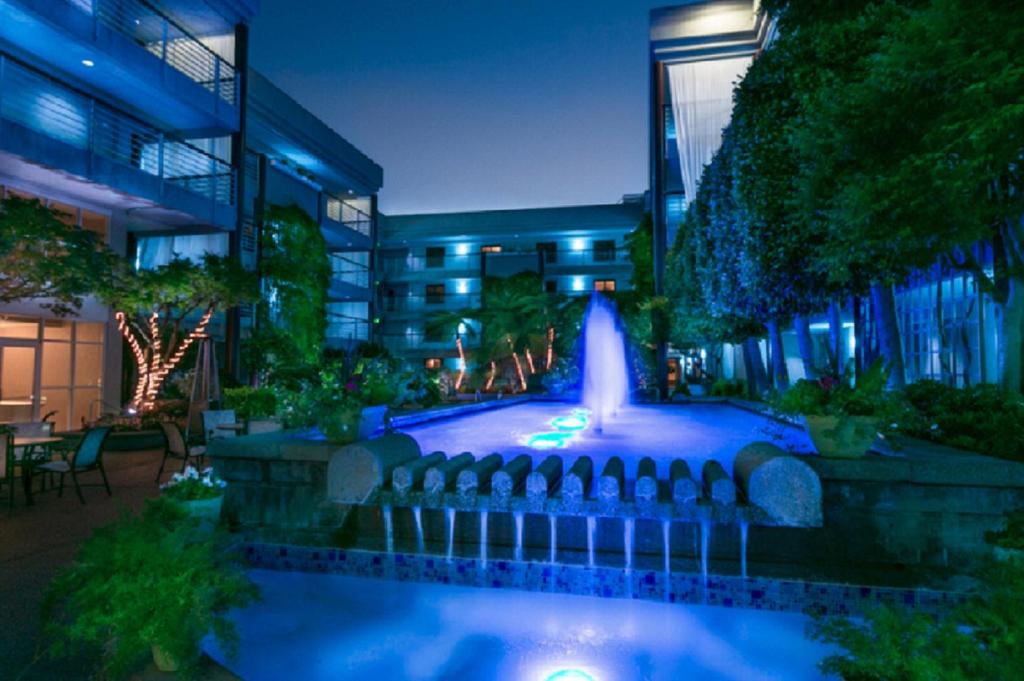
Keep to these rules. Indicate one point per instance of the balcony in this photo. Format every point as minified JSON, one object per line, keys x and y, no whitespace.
{"x":428,"y":304}
{"x":48,"y":123}
{"x":131,"y":51}
{"x":504,"y":263}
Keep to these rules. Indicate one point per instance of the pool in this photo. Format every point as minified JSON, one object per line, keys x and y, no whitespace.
{"x":316,"y":626}
{"x":694,"y":432}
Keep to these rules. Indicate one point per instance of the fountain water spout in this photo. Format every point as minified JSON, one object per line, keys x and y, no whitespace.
{"x":605,"y":372}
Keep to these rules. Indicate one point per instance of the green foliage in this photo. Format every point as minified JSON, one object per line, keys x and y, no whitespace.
{"x":251,"y":403}
{"x":1012,"y":537}
{"x":830,"y":397}
{"x":296,"y":272}
{"x":41,"y":256}
{"x":981,"y":640}
{"x":191,"y":485}
{"x":150,"y":579}
{"x":728,"y":388}
{"x":980,"y":418}
{"x":640,"y":243}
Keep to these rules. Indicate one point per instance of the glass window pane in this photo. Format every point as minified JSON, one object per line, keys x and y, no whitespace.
{"x":92,"y":333}
{"x":56,"y":329}
{"x":17,"y":327}
{"x":86,"y":406}
{"x":56,"y":365}
{"x":59,"y":401}
{"x":17,"y":380}
{"x":88,"y":365}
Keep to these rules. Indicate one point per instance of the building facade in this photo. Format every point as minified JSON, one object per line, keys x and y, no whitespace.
{"x":145,"y":123}
{"x":435,"y":263}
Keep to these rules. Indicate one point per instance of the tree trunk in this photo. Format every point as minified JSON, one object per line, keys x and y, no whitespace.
{"x":835,"y":340}
{"x":805,"y":345}
{"x":1011,"y":341}
{"x":779,"y":370}
{"x":754,"y":365}
{"x":883,"y":300}
{"x":859,"y":343}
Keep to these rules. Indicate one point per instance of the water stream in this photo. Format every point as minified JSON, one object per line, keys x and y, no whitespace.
{"x":553,"y":521}
{"x":483,"y":539}
{"x":705,"y":543}
{"x":518,"y":515}
{"x":627,"y":541}
{"x":388,"y":530}
{"x":743,"y":548}
{"x":451,"y":534}
{"x":591,"y":539}
{"x":417,"y":514}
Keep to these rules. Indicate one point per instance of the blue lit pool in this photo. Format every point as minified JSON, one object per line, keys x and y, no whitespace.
{"x":311,"y":626}
{"x":695,"y":432}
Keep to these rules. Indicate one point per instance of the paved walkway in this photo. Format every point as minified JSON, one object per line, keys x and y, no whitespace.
{"x":37,"y":540}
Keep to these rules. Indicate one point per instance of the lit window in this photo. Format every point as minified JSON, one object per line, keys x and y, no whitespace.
{"x":577,"y":283}
{"x":493,"y":248}
{"x":435,"y":294}
{"x":604,"y":285}
{"x":432,"y":363}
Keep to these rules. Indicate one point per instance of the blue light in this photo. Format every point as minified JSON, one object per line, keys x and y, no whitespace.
{"x":549,"y":440}
{"x":570,"y":675}
{"x":569,"y":422}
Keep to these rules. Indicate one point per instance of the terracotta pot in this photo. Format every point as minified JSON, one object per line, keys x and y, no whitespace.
{"x":163,"y":660}
{"x":842,"y":437}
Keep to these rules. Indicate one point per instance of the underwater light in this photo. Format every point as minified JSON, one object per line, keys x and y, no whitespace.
{"x":570,"y":675}
{"x":549,"y":440}
{"x":574,"y":422}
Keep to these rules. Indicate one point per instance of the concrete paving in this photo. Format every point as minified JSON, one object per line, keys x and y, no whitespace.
{"x":35,"y":541}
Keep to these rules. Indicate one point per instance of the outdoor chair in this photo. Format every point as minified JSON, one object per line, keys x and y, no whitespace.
{"x":88,"y":456}
{"x":16,"y":455}
{"x":213,"y":419}
{"x":7,"y":464}
{"x":175,"y":447}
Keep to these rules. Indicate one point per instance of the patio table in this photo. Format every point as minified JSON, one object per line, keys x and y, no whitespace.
{"x":30,"y":458}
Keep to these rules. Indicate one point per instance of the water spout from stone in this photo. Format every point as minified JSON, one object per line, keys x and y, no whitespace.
{"x":705,"y":543}
{"x":417,"y":514}
{"x":605,"y":372}
{"x":518,"y":516}
{"x":483,"y":539}
{"x":389,"y":536}
{"x":627,"y":541}
{"x":553,"y":522}
{"x":744,"y":526}
{"x":591,"y":539}
{"x":451,"y":534}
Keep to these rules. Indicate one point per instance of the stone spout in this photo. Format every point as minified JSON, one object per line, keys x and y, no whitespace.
{"x":441,"y":478}
{"x":576,"y":483}
{"x":358,"y":470}
{"x":610,"y":484}
{"x":508,"y":480}
{"x":540,"y":484}
{"x":410,"y":475}
{"x":476,"y":479}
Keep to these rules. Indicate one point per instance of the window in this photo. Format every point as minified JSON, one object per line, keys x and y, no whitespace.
{"x":550,"y":251}
{"x":606,"y":285}
{"x":494,"y":248}
{"x":432,"y":363}
{"x":435,"y":256}
{"x":604,"y":250}
{"x":551,"y":286}
{"x":435,"y":294}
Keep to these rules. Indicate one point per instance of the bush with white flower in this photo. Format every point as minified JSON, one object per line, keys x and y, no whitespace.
{"x":192,"y":485}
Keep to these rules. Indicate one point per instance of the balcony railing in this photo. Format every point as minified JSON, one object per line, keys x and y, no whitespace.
{"x":160,"y":35}
{"x":341,"y":211}
{"x":404,"y":303}
{"x":40,"y":103}
{"x":396,"y":265}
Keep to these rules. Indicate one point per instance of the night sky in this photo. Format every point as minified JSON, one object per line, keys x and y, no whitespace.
{"x":473,"y":104}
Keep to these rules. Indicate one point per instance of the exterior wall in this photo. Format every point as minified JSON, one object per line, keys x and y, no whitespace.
{"x":589,"y":243}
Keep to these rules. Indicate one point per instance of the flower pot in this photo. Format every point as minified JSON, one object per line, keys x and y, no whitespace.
{"x":207,"y":511}
{"x":371,"y":420}
{"x":163,"y":660}
{"x":841,"y":437}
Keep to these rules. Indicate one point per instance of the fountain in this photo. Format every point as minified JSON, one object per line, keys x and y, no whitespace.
{"x":518,"y":515}
{"x":451,"y":534}
{"x":627,"y":541}
{"x":744,"y":525}
{"x":483,"y":539}
{"x":591,"y":532}
{"x":553,"y":520}
{"x":605,"y":373}
{"x":417,"y":514}
{"x":705,"y":544}
{"x":388,"y":530}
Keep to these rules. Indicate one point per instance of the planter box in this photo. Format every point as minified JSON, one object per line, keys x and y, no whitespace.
{"x":842,"y":437}
{"x":372,"y":420}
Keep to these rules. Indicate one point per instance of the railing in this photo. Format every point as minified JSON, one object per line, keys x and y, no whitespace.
{"x":348,"y":271}
{"x":405,"y":303}
{"x":402,"y":264}
{"x":40,"y":103}
{"x":347,"y":329}
{"x":343,"y":212}
{"x":143,"y":23}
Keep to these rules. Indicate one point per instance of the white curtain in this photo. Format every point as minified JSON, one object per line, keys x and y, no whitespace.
{"x":154,"y":251}
{"x":701,"y":107}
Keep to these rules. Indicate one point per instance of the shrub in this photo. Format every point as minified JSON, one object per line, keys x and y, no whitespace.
{"x":142,"y":581}
{"x":193,"y":485}
{"x":251,"y":403}
{"x":728,"y":387}
{"x":829,"y":396}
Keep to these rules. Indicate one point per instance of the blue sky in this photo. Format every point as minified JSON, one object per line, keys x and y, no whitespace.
{"x":473,"y":104}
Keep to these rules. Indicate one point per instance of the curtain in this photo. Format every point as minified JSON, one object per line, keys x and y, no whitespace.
{"x":701,"y":107}
{"x":154,"y":251}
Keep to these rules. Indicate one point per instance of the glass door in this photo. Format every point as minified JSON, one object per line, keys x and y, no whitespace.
{"x":18,"y":394}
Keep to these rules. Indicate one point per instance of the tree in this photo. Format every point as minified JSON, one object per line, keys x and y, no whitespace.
{"x":161,"y":312}
{"x":43,"y":255}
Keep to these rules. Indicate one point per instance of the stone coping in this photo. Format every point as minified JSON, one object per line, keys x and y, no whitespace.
{"x":758,"y":593}
{"x":453,"y":410}
{"x":283,"y":445}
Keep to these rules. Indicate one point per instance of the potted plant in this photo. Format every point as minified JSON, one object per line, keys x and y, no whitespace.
{"x":842,"y":420}
{"x":200,"y":494}
{"x":147,"y":585}
{"x":255,"y":406}
{"x":375,"y":383}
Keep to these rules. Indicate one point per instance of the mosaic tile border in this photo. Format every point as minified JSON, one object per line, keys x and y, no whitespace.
{"x":755,"y":593}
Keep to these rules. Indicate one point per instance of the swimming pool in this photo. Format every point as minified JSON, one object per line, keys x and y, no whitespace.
{"x":695,"y":432}
{"x":316,"y":626}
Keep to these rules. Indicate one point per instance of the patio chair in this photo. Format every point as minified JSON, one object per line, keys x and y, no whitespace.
{"x":88,"y":456}
{"x":175,"y":447}
{"x":30,"y":429}
{"x":7,"y":464}
{"x":212,"y":419}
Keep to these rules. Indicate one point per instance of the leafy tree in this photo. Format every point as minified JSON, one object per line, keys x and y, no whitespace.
{"x":43,"y":256}
{"x":161,"y":312}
